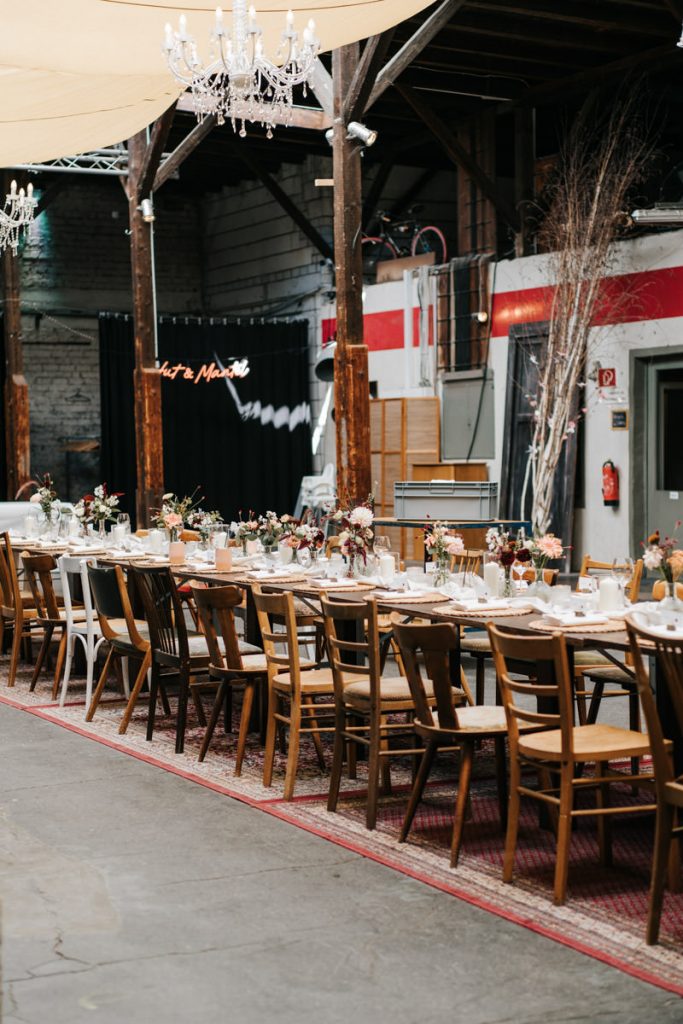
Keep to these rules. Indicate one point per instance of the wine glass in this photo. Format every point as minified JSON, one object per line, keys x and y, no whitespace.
{"x":382,"y":545}
{"x":304,"y":558}
{"x":123,"y":520}
{"x":623,"y":573}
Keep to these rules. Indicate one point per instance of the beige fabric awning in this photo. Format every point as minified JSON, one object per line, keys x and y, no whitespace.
{"x":77,"y":75}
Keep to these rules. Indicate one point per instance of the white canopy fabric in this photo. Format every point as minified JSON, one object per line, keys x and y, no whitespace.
{"x":77,"y":75}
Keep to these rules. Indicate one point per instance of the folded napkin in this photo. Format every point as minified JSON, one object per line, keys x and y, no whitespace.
{"x":269,"y":574}
{"x":322,"y":583}
{"x":467,"y":605}
{"x":569,"y":618}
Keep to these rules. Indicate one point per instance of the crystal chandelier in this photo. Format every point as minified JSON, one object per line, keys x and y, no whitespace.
{"x":16,"y":216}
{"x":240,"y":83}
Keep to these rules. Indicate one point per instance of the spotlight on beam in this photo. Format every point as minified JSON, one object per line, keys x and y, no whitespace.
{"x":147,"y":210}
{"x":355,"y":130}
{"x":324,"y":367}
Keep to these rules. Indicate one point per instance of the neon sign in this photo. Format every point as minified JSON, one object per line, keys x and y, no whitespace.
{"x":206,"y":373}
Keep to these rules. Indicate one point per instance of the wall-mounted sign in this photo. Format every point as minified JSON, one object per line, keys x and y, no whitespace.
{"x":206,"y":373}
{"x":619,"y":419}
{"x":607,"y":377}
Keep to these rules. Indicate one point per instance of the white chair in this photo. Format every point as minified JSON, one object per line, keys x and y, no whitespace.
{"x":88,"y":631}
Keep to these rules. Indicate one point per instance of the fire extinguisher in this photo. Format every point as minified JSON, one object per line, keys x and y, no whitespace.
{"x":610,"y":483}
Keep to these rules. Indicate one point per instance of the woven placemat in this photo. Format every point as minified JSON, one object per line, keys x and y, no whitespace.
{"x":294,"y":578}
{"x":358,"y":587}
{"x":411,"y":597}
{"x":487,"y":613}
{"x":614,"y":626}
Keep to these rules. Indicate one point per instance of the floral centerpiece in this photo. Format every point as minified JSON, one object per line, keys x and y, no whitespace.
{"x":203,"y":522}
{"x":245,"y":530}
{"x":442,"y":544}
{"x":545,"y":549}
{"x":45,"y":496}
{"x":99,"y":507}
{"x":174,"y":513}
{"x":355,"y":535}
{"x":507,"y":550}
{"x":666,"y":557}
{"x":270,"y":530}
{"x":307,"y":536}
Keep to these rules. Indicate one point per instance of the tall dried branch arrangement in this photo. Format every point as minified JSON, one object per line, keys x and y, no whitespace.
{"x":599,"y":165}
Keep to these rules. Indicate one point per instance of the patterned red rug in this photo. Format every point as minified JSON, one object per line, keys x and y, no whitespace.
{"x":607,"y":907}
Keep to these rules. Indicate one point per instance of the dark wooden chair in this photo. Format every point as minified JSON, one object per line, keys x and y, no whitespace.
{"x":454,"y":725}
{"x":668,"y":786}
{"x":17,"y":611}
{"x":560,"y":748}
{"x":228,"y":667}
{"x":294,"y":685}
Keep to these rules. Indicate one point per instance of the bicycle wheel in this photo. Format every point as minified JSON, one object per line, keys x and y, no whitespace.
{"x":375,"y":250}
{"x":430,"y":239}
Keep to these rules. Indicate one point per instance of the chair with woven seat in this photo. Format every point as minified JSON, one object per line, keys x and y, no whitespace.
{"x":126,"y":637}
{"x":50,"y":616}
{"x":453,"y":726}
{"x":560,"y":749}
{"x":228,"y":667}
{"x":668,"y":786}
{"x":17,"y":611}
{"x":294,"y":685}
{"x":364,"y":700}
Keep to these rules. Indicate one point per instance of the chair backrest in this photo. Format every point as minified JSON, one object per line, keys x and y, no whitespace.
{"x":188,"y":535}
{"x":163,"y":611}
{"x":467,"y":561}
{"x":216,"y":605}
{"x":544,"y":658}
{"x":331,"y":544}
{"x":589,"y":567}
{"x":280,"y":648}
{"x":39,"y":569}
{"x":110,"y":597}
{"x":9,"y":581}
{"x":435,"y":643}
{"x":669,"y":655}
{"x":352,"y":634}
{"x":72,"y":568}
{"x":659,"y":590}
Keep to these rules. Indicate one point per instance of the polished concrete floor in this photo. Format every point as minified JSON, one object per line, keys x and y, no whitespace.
{"x":131,"y":896}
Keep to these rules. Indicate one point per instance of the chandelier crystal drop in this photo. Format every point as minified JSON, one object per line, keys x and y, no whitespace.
{"x":239,"y":83}
{"x":16,"y":216}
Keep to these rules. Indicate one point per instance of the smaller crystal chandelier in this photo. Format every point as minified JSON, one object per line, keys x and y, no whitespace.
{"x":240,"y":83}
{"x":16,"y":216}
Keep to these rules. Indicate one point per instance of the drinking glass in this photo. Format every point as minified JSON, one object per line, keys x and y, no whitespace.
{"x":123,"y":520}
{"x":382,"y":545}
{"x":304,"y":558}
{"x":623,"y":574}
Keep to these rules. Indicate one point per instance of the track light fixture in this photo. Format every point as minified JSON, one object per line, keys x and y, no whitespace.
{"x":355,"y":130}
{"x":670,"y":214}
{"x":146,"y":208}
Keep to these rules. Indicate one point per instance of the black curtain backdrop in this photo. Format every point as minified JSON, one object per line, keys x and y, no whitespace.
{"x":246,"y":446}
{"x":4,"y":496}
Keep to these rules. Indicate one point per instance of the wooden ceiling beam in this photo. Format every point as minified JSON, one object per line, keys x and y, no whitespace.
{"x":365,"y":75}
{"x":321,"y":84}
{"x":154,"y":152}
{"x":414,"y":46}
{"x":571,"y":14}
{"x":459,"y":155}
{"x":244,"y":153}
{"x":182,"y":151}
{"x":660,"y":56}
{"x":50,"y":193}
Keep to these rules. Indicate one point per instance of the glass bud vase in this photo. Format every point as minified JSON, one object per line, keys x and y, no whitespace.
{"x":102,"y":528}
{"x":356,"y":567}
{"x":508,"y":585}
{"x":670,"y":602}
{"x":442,"y":570}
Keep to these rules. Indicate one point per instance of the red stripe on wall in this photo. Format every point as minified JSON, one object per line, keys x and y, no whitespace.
{"x":625,"y":298}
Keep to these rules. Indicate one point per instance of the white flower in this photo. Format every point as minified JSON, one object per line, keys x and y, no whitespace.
{"x":361,"y":516}
{"x":652,"y":558}
{"x":455,"y":545}
{"x":343,"y":536}
{"x":35,"y":498}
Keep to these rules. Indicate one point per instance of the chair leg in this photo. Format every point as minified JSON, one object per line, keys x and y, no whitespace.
{"x":42,"y":653}
{"x":90,"y":657}
{"x":213,"y":720}
{"x":564,"y":831}
{"x":198,"y":706}
{"x":384,"y":762}
{"x":70,"y":645}
{"x":581,"y":710}
{"x":352,"y":752}
{"x":596,"y":699}
{"x":135,"y":693}
{"x":634,"y":724}
{"x":245,"y":717}
{"x":665,"y":820}
{"x":153,"y":694}
{"x":293,"y":753}
{"x":480,"y":679}
{"x":374,"y":769}
{"x":604,"y":826}
{"x":465,"y":687}
{"x":14,"y":659}
{"x":100,"y":686}
{"x":181,"y":723}
{"x":271,"y":733}
{"x":337,"y":760}
{"x":462,"y":798}
{"x":309,"y":708}
{"x":502,"y":781}
{"x":513,"y":819}
{"x":59,"y":663}
{"x":423,"y":771}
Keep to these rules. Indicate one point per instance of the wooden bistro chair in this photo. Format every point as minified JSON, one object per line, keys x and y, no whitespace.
{"x":560,"y":749}
{"x":228,"y":666}
{"x":608,"y":680}
{"x":127,"y":637}
{"x":364,"y":700}
{"x":49,"y":616}
{"x":294,"y":685}
{"x":478,"y":646}
{"x":17,"y":611}
{"x":453,"y":726}
{"x":668,"y":786}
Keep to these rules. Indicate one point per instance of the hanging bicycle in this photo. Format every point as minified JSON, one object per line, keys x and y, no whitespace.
{"x":398,"y":238}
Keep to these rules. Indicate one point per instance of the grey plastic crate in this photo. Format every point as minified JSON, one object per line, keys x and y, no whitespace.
{"x":445,"y":499}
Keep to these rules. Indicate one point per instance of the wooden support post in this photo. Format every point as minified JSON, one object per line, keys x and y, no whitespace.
{"x":351,"y":383}
{"x":524,"y":177}
{"x":147,"y":379}
{"x":17,"y":417}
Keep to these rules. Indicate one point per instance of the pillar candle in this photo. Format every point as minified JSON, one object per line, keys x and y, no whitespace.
{"x":224,"y":559}
{"x":492,"y":577}
{"x":610,"y":595}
